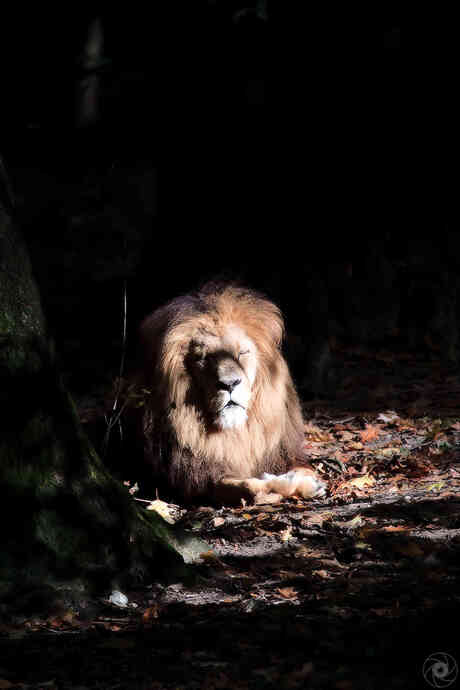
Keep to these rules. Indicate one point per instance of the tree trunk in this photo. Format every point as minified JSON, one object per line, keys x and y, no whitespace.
{"x":65,"y":522}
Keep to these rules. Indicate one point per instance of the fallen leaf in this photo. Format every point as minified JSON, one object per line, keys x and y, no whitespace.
{"x":218,"y":521}
{"x":355,"y":445}
{"x":317,"y":519}
{"x":361,"y":482}
{"x":435,"y":487}
{"x":209,"y":556}
{"x":314,"y":433}
{"x":286,"y":534}
{"x":389,"y":452}
{"x":303,"y":552}
{"x":363,"y":546}
{"x":357,"y":521}
{"x":151,"y":612}
{"x":288,"y":574}
{"x":261,"y":516}
{"x":340,"y":456}
{"x":346,"y":436}
{"x":162,"y":509}
{"x":369,"y":433}
{"x":287,"y":592}
{"x":388,"y":417}
{"x":63,"y":621}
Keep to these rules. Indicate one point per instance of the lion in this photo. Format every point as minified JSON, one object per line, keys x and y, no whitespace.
{"x":222,"y":421}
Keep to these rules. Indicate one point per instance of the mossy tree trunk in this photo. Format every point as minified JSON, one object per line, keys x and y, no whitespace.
{"x":64,"y":520}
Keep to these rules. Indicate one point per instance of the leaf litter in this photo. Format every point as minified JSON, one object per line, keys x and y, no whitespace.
{"x":323,"y":592}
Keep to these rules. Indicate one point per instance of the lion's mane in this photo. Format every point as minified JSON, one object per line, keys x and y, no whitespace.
{"x":179,"y":445}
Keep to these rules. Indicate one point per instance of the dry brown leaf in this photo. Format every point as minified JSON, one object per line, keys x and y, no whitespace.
{"x":287,"y":592}
{"x":288,"y":573}
{"x":209,"y":556}
{"x":314,"y":433}
{"x":151,"y":613}
{"x":361,"y":482}
{"x":346,"y":436}
{"x":303,"y":552}
{"x":341,"y":456}
{"x":316,"y":452}
{"x":63,"y":621}
{"x":375,"y":532}
{"x":286,"y":534}
{"x":162,"y":509}
{"x":354,"y":523}
{"x":389,"y":452}
{"x":370,"y":433}
{"x":388,"y":417}
{"x":355,"y":445}
{"x":317,"y":519}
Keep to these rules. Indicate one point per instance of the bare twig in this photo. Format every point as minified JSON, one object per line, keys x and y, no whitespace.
{"x":117,"y":410}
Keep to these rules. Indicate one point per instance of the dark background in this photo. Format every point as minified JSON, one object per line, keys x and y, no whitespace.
{"x":268,"y":142}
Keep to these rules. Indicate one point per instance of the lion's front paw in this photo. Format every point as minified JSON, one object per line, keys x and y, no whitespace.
{"x":231,"y":491}
{"x":299,"y":481}
{"x":311,"y":487}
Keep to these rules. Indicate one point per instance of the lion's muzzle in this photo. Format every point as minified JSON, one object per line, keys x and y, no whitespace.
{"x":233,"y":393}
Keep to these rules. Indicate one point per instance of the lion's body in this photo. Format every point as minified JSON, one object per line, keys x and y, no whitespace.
{"x":223,"y":407}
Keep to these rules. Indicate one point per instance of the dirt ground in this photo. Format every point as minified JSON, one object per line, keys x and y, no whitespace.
{"x":360,"y":589}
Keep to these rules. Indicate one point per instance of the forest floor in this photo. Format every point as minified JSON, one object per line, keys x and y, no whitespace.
{"x":359,"y":590}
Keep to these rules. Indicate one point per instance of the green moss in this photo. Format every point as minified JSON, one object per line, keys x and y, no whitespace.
{"x":19,"y":353}
{"x":63,"y":517}
{"x":64,"y":540}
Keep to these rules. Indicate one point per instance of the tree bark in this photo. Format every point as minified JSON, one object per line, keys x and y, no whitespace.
{"x":65,"y":522}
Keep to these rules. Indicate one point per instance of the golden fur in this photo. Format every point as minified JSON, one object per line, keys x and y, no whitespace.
{"x":195,"y":455}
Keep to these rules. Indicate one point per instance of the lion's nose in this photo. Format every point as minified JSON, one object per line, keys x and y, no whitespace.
{"x":228,"y":385}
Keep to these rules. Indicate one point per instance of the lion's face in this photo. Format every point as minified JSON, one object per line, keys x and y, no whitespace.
{"x":223,"y":365}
